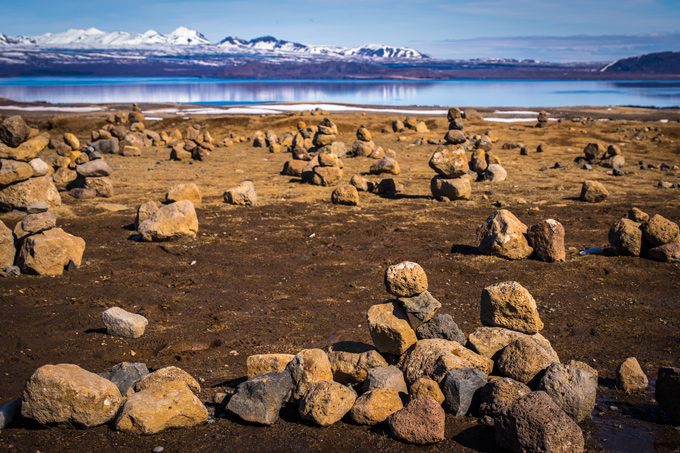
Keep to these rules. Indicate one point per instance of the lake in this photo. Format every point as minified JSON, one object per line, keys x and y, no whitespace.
{"x":480,"y":93}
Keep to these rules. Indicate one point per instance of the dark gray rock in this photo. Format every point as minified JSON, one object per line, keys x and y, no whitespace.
{"x":423,"y":306}
{"x":125,"y":375}
{"x":573,"y":386}
{"x":14,"y":131}
{"x":461,"y":390}
{"x":441,"y":326}
{"x":667,"y":392}
{"x":260,"y":399}
{"x":9,"y":411}
{"x":107,"y":146}
{"x":97,"y":167}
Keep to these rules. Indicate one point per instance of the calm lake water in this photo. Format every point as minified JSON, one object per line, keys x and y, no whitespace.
{"x":481,"y":93}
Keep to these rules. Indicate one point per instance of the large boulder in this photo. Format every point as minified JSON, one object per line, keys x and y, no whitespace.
{"x":626,"y":237}
{"x":525,"y":359}
{"x":171,"y":221}
{"x":450,"y":163}
{"x":259,"y":400}
{"x":390,"y":329}
{"x":66,"y":393}
{"x":326,"y":402}
{"x":503,"y":235}
{"x":375,"y":406}
{"x":573,"y":386}
{"x":510,"y":305}
{"x":421,"y":422}
{"x":12,"y":171}
{"x":35,"y":223}
{"x":49,"y":252}
{"x":25,"y":193}
{"x":308,"y":367}
{"x":547,"y":240}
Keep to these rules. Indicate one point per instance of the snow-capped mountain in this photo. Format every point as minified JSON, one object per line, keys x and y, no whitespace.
{"x":96,"y":39}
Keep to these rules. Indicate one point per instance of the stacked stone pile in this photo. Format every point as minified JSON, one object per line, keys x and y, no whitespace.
{"x":82,"y":172}
{"x":195,"y":144}
{"x":639,"y":234}
{"x":124,"y":134}
{"x":452,"y":181}
{"x":363,"y":146}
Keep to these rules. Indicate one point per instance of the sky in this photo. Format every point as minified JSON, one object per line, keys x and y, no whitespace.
{"x":550,"y":30}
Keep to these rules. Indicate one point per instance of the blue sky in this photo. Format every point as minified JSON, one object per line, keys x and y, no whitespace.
{"x":547,"y":29}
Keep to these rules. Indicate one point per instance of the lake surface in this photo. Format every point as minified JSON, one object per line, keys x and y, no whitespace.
{"x":481,"y":93}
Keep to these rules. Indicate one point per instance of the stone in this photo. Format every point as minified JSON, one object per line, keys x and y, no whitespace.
{"x":441,"y":326}
{"x":49,"y":252}
{"x":35,"y":223}
{"x":107,"y":146}
{"x":668,"y":253}
{"x":308,"y":367}
{"x":478,"y":162}
{"x":364,"y":134}
{"x":495,"y":173}
{"x":12,"y":171}
{"x":423,"y":306}
{"x":103,"y":186}
{"x":351,"y":361}
{"x":573,"y":386}
{"x":434,"y":358}
{"x":626,"y":237}
{"x":455,"y":137}
{"x":293,"y":168}
{"x":259,"y":364}
{"x":188,"y":191}
{"x":171,"y":221}
{"x":27,"y":150}
{"x":122,"y":323}
{"x":510,"y":305}
{"x":144,"y":212}
{"x":420,"y":422}
{"x":488,"y":341}
{"x":242,"y":195}
{"x":667,"y":392}
{"x":503,"y":235}
{"x":387,"y":376}
{"x":328,"y":159}
{"x":450,"y":163}
{"x":260,"y":399}
{"x":326,"y":402}
{"x":345,"y":194}
{"x":25,"y":193}
{"x":390,"y":330}
{"x":398,"y":126}
{"x":64,"y":178}
{"x":326,"y":176}
{"x":155,"y":409}
{"x":39,"y":167}
{"x":630,"y":377}
{"x":658,"y":230}
{"x":461,"y":390}
{"x":426,"y":387}
{"x":637,"y":215}
{"x":14,"y":131}
{"x":406,"y":279}
{"x":593,"y":192}
{"x":524,"y":360}
{"x":376,"y":406}
{"x":72,"y":141}
{"x":364,"y":149}
{"x":66,"y":393}
{"x":125,"y":375}
{"x":81,"y":193}
{"x":536,"y":423}
{"x":385,"y":165}
{"x":547,"y":240}
{"x":7,"y":249}
{"x":592,"y":151}
{"x":388,"y":187}
{"x":165,"y":376}
{"x":97,"y":167}
{"x":499,"y":394}
{"x":37,"y":207}
{"x":444,"y":189}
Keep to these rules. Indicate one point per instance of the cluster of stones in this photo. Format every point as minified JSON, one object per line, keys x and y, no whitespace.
{"x":542,"y":119}
{"x":504,"y":235}
{"x":25,"y":179}
{"x":124,"y":134}
{"x":37,"y":246}
{"x":195,"y":144}
{"x":364,"y":146}
{"x":452,"y":181}
{"x":638,"y":234}
{"x":594,"y":153}
{"x":409,"y":123}
{"x":174,"y":219}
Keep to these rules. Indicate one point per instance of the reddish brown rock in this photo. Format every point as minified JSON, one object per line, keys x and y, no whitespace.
{"x":547,"y":240}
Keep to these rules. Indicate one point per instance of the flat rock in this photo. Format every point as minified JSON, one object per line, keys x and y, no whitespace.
{"x":23,"y":194}
{"x":27,"y":150}
{"x":94,"y":168}
{"x":12,"y":171}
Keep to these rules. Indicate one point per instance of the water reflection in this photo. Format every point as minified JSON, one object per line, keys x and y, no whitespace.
{"x":501,"y":93}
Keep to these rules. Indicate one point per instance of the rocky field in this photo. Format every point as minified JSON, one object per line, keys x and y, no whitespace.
{"x":283,"y":264}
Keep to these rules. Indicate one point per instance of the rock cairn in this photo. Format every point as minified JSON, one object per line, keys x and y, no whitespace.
{"x":363,"y":146}
{"x":639,"y":234}
{"x":93,"y":177}
{"x":24,"y":177}
{"x":195,"y":144}
{"x":452,"y":181}
{"x":124,"y":134}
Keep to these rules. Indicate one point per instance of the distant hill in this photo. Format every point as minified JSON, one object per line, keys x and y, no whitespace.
{"x":653,"y":63}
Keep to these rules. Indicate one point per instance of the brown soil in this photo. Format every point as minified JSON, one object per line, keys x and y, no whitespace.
{"x":298,"y":272}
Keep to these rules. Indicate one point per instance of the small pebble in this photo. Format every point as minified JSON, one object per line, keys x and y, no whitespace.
{"x":158,"y":449}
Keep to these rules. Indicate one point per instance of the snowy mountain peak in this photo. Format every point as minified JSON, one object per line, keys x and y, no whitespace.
{"x":184,"y":36}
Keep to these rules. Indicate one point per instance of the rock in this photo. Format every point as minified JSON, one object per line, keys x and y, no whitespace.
{"x":81,"y":193}
{"x":327,"y":158}
{"x":12,"y":171}
{"x":25,"y":193}
{"x":9,"y":411}
{"x":267,"y":363}
{"x":510,"y":305}
{"x":630,"y":377}
{"x":361,"y":183}
{"x":72,"y":141}
{"x":37,"y":207}
{"x":383,"y":377}
{"x":345,"y":194}
{"x":27,"y":150}
{"x":547,"y":240}
{"x":488,"y":341}
{"x":308,"y":367}
{"x":406,"y":279}
{"x":423,"y":306}
{"x":499,"y":394}
{"x":165,"y":376}
{"x":97,"y":167}
{"x":536,"y":423}
{"x":259,"y":399}
{"x":421,"y":422}
{"x":441,"y":326}
{"x":450,"y":163}
{"x":125,"y":375}
{"x":503,"y":235}
{"x":155,"y":409}
{"x":426,"y":387}
{"x":171,"y":221}
{"x":364,"y":149}
{"x":626,"y":237}
{"x":66,"y":393}
{"x":592,"y":151}
{"x":188,"y":191}
{"x":434,"y":358}
{"x":461,"y":390}
{"x":122,"y":323}
{"x":243,"y":195}
{"x":144,"y":212}
{"x":593,"y":192}
{"x":478,"y":162}
{"x":7,"y":248}
{"x":455,"y":137}
{"x":49,"y":252}
{"x":667,"y":392}
{"x":107,"y":146}
{"x":376,"y":406}
{"x":364,"y":134}
{"x":573,"y":386}
{"x":293,"y":168}
{"x":451,"y":189}
{"x":398,"y":126}
{"x":637,"y":215}
{"x":385,"y":165}
{"x":326,"y":402}
{"x":390,"y":331}
{"x":14,"y":131}
{"x":64,"y":177}
{"x":103,"y":186}
{"x":668,"y":253}
{"x":351,"y":361}
{"x":524,"y":360}
{"x":39,"y":166}
{"x":421,"y":127}
{"x":658,"y":230}
{"x":495,"y":173}
{"x":35,"y":223}
{"x":326,"y":176}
